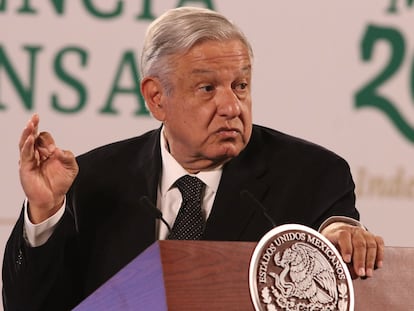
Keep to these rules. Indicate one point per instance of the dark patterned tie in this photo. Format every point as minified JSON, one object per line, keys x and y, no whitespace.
{"x":189,"y":224}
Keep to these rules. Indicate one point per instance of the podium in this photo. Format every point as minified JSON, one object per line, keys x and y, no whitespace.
{"x":203,"y":275}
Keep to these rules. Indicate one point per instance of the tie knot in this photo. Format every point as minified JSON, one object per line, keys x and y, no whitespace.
{"x":190,"y":187}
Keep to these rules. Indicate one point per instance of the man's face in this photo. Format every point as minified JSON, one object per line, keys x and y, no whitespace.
{"x":207,"y":116}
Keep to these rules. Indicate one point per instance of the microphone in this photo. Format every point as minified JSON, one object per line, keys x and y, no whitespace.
{"x":246,"y":195}
{"x":155,"y":212}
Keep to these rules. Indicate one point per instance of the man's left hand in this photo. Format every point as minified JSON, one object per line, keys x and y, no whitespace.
{"x":357,"y":246}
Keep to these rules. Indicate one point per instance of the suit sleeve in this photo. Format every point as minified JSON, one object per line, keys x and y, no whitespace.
{"x":44,"y":277}
{"x":335,"y":192}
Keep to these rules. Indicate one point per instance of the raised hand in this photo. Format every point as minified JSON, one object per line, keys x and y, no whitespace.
{"x":46,"y":172}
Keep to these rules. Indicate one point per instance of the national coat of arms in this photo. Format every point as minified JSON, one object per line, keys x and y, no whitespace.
{"x":294,"y":268}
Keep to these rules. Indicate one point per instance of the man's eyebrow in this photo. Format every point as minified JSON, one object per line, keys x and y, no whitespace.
{"x":247,"y":69}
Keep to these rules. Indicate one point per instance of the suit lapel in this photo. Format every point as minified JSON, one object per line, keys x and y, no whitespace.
{"x":231,"y":213}
{"x":144,"y":182}
{"x":149,"y":163}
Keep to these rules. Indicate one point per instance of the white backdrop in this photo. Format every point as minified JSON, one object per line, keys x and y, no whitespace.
{"x":308,"y":68}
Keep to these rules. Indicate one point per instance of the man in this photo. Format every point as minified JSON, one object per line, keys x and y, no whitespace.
{"x":84,"y":218}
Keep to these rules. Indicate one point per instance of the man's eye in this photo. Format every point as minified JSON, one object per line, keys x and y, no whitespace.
{"x":207,"y":88}
{"x":241,"y":86}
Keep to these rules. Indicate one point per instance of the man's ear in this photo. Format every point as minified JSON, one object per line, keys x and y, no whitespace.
{"x":152,"y":92}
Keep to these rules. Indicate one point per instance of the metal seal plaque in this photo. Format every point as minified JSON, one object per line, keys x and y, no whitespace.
{"x":295,"y":268}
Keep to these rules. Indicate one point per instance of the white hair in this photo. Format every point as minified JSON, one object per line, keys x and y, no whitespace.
{"x":177,"y":31}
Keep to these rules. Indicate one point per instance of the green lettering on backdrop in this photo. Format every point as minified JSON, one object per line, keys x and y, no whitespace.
{"x":369,"y":95}
{"x":25,"y":92}
{"x":128,"y":62}
{"x":208,"y":3}
{"x":27,"y":8}
{"x":95,"y":12}
{"x":59,"y":6}
{"x":146,"y":13}
{"x":63,"y":75}
{"x":146,"y":10}
{"x":393,"y":6}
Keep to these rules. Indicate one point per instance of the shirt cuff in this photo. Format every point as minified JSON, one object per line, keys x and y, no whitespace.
{"x":340,"y":219}
{"x":38,"y":234}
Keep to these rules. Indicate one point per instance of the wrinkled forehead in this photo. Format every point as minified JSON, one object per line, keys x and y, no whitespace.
{"x":235,"y":45}
{"x":229,"y":52}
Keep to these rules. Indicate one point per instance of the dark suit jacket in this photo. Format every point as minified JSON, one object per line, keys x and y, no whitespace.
{"x":104,"y":227}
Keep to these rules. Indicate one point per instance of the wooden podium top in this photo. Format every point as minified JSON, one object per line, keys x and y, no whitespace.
{"x":207,"y":275}
{"x":391,"y":286}
{"x":202,"y":275}
{"x":216,"y":278}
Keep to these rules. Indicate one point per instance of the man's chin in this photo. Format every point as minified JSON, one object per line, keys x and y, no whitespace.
{"x":228,"y":152}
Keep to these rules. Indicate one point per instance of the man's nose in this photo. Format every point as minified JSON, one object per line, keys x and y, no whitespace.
{"x":228,"y":104}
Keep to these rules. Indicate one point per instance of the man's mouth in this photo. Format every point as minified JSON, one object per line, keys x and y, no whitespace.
{"x":228,"y":132}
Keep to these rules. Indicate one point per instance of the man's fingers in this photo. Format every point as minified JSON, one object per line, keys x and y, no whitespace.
{"x":345,"y":245}
{"x":27,"y":149}
{"x":45,"y":145}
{"x":380,"y":251}
{"x":368,"y":253}
{"x":67,"y":158}
{"x":27,"y":131}
{"x":45,"y":141}
{"x":360,"y":252}
{"x":30,"y":130}
{"x":35,"y":120}
{"x":359,"y":246}
{"x":353,"y":248}
{"x":371,"y":255}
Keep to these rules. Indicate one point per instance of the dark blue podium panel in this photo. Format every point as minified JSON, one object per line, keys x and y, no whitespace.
{"x":137,"y":287}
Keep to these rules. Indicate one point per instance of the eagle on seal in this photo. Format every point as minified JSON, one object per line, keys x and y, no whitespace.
{"x":310,"y":273}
